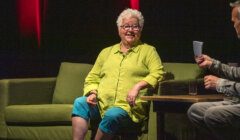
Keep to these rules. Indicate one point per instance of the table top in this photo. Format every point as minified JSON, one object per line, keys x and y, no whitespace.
{"x":184,"y":98}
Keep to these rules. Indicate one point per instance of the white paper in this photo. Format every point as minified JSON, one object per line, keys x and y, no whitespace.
{"x":197,"y":48}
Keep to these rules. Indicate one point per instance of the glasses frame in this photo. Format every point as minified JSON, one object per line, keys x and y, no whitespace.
{"x":132,"y":27}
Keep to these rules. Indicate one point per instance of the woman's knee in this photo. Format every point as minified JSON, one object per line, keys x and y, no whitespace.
{"x":80,"y":108}
{"x":115,"y":113}
{"x":80,"y":100}
{"x":113,"y":119}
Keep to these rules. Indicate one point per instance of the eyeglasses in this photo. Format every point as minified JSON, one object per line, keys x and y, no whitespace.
{"x":128,"y":27}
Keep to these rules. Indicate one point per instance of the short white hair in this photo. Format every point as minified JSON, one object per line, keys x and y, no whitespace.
{"x":128,"y":13}
{"x":235,"y":4}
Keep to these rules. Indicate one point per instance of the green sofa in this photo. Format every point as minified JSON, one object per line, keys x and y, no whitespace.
{"x":40,"y":108}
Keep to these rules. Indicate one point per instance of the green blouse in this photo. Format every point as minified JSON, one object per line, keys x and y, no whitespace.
{"x":115,"y":73}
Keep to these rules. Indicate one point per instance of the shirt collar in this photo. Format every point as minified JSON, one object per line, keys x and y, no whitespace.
{"x":135,"y":48}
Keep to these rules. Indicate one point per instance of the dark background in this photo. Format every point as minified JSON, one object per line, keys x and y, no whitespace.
{"x":76,"y":31}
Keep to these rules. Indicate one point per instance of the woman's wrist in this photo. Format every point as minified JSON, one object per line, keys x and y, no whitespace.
{"x":140,"y":85}
{"x":93,"y":92}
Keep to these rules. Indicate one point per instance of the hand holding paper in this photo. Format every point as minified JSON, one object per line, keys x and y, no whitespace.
{"x":197,"y":48}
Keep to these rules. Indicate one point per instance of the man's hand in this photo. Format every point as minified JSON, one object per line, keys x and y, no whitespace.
{"x":210,"y":82}
{"x":203,"y":61}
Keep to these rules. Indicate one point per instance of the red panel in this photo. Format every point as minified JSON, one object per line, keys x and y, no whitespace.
{"x":134,"y":4}
{"x":38,"y":21}
{"x":29,"y":18}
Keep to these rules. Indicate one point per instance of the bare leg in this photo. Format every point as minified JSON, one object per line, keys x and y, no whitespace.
{"x":79,"y":127}
{"x":103,"y":136}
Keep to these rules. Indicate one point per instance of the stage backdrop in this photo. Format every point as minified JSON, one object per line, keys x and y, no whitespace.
{"x":76,"y":31}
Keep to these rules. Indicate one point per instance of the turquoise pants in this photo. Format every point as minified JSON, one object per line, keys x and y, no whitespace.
{"x":114,"y":118}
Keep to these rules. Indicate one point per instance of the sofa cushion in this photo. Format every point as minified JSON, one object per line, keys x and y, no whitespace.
{"x":70,"y":82}
{"x":46,"y":114}
{"x":183,"y":71}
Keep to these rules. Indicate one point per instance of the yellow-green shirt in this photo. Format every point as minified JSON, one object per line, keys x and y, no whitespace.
{"x":115,"y":73}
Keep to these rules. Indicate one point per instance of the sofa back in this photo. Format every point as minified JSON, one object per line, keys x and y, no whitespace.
{"x":178,"y":77}
{"x":182,"y":71}
{"x":71,"y":77}
{"x":70,"y":82}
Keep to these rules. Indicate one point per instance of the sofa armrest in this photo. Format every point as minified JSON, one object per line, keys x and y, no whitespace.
{"x":24,"y":91}
{"x":180,"y":87}
{"x":27,"y":91}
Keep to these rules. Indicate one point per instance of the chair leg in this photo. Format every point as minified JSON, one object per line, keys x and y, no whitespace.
{"x":129,"y":136}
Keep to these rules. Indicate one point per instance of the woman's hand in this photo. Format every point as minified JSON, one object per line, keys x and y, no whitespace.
{"x":92,"y":98}
{"x":203,"y":61}
{"x":132,"y":95}
{"x":210,"y":81}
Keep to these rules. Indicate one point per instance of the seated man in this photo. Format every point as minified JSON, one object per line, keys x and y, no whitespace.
{"x":221,"y":119}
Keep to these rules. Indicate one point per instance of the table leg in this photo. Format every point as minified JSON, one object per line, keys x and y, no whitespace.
{"x":160,"y":126}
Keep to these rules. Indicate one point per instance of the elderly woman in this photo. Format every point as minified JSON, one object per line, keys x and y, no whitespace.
{"x":121,"y":74}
